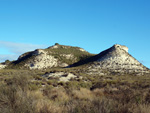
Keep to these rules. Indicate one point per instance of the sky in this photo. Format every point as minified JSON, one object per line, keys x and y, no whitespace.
{"x":94,"y":25}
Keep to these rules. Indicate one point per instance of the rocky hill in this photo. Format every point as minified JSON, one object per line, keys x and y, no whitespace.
{"x":116,"y":60}
{"x":54,"y":56}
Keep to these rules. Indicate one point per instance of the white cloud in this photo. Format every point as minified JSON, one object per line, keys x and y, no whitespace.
{"x":19,"y":48}
{"x":16,"y":49}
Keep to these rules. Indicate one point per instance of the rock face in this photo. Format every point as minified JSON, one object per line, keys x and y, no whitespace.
{"x":2,"y":66}
{"x":42,"y":60}
{"x":53,"y":56}
{"x":117,"y":59}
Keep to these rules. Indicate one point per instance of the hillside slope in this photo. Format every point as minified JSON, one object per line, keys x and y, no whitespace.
{"x":54,"y":56}
{"x":116,"y":60}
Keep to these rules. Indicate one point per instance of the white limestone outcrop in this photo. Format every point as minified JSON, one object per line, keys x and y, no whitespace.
{"x":64,"y":77}
{"x":2,"y":66}
{"x":41,"y":60}
{"x":117,"y":59}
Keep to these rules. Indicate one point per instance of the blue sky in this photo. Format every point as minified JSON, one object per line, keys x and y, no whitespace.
{"x":94,"y":25}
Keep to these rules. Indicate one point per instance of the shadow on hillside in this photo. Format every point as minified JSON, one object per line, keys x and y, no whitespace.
{"x":90,"y":59}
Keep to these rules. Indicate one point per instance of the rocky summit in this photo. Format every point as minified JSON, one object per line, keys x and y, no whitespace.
{"x":116,"y":60}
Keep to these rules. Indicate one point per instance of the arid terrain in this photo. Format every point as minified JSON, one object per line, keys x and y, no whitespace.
{"x":66,"y":79}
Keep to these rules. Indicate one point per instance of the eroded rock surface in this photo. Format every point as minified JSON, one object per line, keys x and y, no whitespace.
{"x":62,"y":76}
{"x":117,"y":59}
{"x":41,"y":60}
{"x":2,"y":66}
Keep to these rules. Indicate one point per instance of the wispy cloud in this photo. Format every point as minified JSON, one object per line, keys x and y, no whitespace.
{"x":8,"y":57}
{"x":19,"y":48}
{"x":16,"y":49}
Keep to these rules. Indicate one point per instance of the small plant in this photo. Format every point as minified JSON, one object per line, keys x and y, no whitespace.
{"x":56,"y":43}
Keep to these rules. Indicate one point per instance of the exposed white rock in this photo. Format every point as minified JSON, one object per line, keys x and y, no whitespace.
{"x":63,"y":64}
{"x":117,"y":59}
{"x":121,"y":47}
{"x":54,"y":47}
{"x":81,"y":49}
{"x":41,"y":60}
{"x":2,"y":66}
{"x":38,"y":52}
{"x":65,"y":77}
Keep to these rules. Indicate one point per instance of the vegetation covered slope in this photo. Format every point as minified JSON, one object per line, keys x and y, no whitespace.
{"x":68,"y":54}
